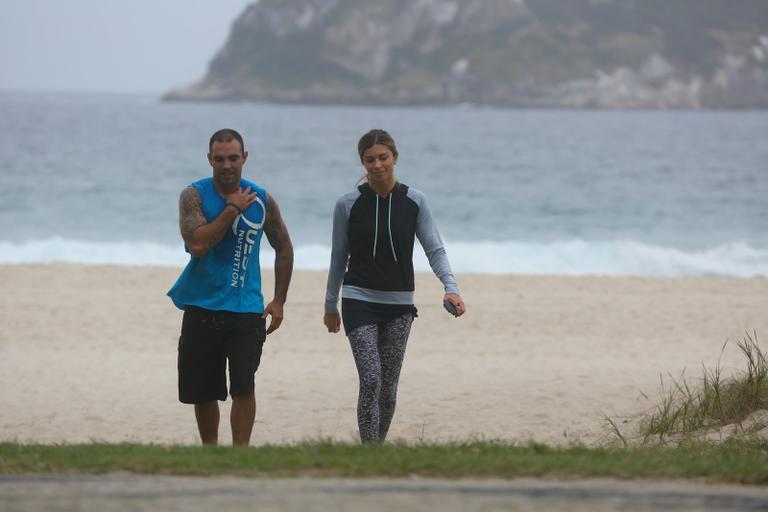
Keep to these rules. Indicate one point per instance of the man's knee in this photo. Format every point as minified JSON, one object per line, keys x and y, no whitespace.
{"x":244,"y":397}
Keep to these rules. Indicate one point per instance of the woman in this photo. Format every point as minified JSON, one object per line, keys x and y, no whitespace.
{"x":373,"y":235}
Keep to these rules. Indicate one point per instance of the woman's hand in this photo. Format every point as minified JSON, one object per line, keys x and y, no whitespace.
{"x":457,"y":303}
{"x":333,"y":321}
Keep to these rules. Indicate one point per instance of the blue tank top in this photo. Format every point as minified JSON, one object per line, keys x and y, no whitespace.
{"x":228,"y":276}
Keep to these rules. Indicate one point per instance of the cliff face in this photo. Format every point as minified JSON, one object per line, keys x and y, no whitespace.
{"x":518,"y":53}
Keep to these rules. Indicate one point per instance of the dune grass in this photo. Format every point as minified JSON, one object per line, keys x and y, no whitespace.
{"x":687,"y":410}
{"x":735,"y":461}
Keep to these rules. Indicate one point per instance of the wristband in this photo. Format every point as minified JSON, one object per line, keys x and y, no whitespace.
{"x":233,"y":205}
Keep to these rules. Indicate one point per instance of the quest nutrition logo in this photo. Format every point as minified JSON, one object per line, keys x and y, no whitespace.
{"x":245,"y":241}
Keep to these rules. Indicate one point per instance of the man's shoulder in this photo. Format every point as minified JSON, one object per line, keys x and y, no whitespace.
{"x":202,"y":182}
{"x":244,"y":183}
{"x":190,"y":192}
{"x":197,"y":187}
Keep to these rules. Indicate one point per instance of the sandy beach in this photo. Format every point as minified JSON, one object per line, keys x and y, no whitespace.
{"x":88,"y":353}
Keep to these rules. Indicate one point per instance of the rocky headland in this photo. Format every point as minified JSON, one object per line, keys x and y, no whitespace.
{"x":677,"y":54}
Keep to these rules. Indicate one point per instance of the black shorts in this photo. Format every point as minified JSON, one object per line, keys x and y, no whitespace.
{"x":355,"y":313}
{"x":210,"y":338}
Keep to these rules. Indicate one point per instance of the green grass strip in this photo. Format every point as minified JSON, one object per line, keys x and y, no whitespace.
{"x":736,"y":461}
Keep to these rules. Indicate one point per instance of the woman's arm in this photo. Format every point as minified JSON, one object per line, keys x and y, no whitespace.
{"x":429,"y":238}
{"x":338,"y":265}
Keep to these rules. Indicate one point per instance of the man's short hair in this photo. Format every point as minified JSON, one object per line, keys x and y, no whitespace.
{"x":226,"y":135}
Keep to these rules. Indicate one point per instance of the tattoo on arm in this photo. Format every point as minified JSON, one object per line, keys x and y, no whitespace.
{"x":277,"y":234}
{"x":274,"y":227}
{"x":190,"y":212}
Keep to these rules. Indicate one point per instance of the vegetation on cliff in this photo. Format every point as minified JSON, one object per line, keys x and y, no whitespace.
{"x":580,"y":53}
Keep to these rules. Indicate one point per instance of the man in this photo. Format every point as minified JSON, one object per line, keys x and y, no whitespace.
{"x":222,"y":219}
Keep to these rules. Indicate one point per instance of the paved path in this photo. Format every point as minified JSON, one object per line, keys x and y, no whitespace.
{"x":120,"y":492}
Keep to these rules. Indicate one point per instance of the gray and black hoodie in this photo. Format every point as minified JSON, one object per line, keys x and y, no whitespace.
{"x":372,"y":251}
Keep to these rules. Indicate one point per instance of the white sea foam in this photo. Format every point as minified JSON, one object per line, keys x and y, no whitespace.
{"x":574,"y":257}
{"x":623,"y":257}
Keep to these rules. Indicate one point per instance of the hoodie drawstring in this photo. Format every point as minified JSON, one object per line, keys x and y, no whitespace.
{"x":376,"y":232}
{"x":389,"y":228}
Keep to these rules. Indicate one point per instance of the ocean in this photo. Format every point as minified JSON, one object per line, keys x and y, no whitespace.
{"x":95,"y":178}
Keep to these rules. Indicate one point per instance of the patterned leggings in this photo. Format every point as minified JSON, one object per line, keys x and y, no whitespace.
{"x":378,"y":351}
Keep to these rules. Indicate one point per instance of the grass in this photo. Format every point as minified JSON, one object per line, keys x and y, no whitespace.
{"x":686,"y":411}
{"x":735,"y":461}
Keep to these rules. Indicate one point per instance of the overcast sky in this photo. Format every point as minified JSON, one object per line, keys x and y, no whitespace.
{"x":110,"y":45}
